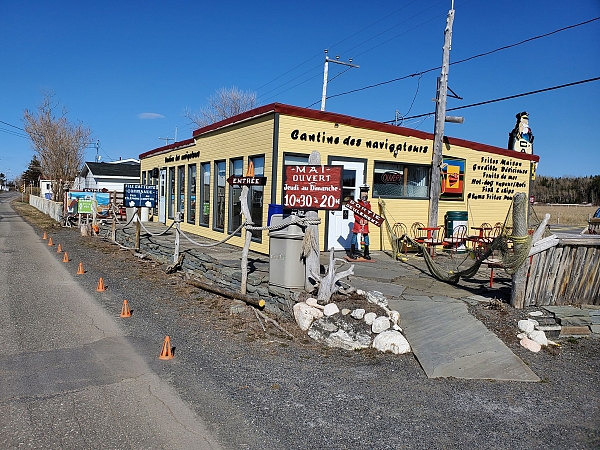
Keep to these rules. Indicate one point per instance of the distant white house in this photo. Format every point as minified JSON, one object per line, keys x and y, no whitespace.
{"x":111,"y":176}
{"x":46,"y":189}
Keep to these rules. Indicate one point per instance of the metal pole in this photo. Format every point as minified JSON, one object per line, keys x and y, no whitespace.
{"x":440,"y":117}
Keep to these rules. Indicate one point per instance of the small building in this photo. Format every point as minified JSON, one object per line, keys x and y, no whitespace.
{"x":477,"y":179}
{"x":107,"y":176}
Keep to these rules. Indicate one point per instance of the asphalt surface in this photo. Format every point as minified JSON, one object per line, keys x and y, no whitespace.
{"x":250,"y":389}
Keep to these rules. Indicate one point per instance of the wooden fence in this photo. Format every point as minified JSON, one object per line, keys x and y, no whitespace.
{"x":567,"y":274}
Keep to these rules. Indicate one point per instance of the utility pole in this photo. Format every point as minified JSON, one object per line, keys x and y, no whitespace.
{"x":440,"y":118}
{"x":167,"y":139}
{"x":326,"y":71}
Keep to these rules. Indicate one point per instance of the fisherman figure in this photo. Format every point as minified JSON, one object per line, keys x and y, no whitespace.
{"x":361,"y":225}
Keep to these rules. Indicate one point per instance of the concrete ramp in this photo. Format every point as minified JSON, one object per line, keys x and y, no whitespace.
{"x":449,"y":342}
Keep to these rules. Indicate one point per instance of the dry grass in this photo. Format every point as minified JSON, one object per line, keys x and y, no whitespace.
{"x":565,"y":214}
{"x":33,"y":216}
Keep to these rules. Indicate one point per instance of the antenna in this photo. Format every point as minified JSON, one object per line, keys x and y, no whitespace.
{"x":167,"y":139}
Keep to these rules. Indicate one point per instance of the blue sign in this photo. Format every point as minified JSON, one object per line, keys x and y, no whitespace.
{"x":140,"y":195}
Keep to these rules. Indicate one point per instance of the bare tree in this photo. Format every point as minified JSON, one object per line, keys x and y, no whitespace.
{"x":227,"y":102}
{"x":59,"y":143}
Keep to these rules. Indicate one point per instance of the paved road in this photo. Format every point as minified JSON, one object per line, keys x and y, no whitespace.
{"x":68,"y":377}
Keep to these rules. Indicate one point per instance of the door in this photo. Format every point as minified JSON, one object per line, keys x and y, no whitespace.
{"x":339,"y":233}
{"x":162,"y":203}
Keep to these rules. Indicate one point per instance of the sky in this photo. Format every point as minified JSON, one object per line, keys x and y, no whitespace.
{"x":129,"y":69}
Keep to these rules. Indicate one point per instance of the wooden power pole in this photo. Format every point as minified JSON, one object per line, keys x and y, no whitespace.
{"x":440,"y":118}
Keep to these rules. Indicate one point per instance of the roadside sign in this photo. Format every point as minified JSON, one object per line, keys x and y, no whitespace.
{"x":357,"y":208}
{"x":138,"y":195}
{"x":313,"y":187}
{"x":84,"y":206}
{"x":247,"y":181}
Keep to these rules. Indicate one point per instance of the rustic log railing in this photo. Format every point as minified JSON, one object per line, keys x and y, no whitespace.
{"x":567,"y":274}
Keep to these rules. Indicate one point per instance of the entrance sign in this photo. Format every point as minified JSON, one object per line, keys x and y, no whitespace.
{"x":357,"y":208}
{"x":138,"y":195}
{"x":313,"y":187}
{"x":247,"y":181}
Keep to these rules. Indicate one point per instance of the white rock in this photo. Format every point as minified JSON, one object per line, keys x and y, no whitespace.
{"x":342,"y":339}
{"x":331,"y":309}
{"x":360,"y":292}
{"x":377,"y":298}
{"x":369,"y":318}
{"x":313,"y":302}
{"x":391,"y":341}
{"x":536,"y":313}
{"x":380,"y":324}
{"x":397,"y":328}
{"x":305,"y":315}
{"x":358,"y":313}
{"x":534,"y":322}
{"x":526,"y":326}
{"x":394,"y":317}
{"x":345,"y":312}
{"x":521,"y":336}
{"x":538,"y":336}
{"x":530,"y":345}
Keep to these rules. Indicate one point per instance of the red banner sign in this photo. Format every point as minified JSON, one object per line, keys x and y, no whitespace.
{"x":357,"y":208}
{"x":313,"y":187}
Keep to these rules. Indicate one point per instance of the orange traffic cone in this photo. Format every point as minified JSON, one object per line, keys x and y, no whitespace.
{"x":45,"y":236}
{"x":59,"y":249}
{"x":80,"y":270}
{"x":101,"y":287}
{"x":166,"y":352}
{"x":66,"y":257}
{"x":125,"y":311}
{"x":50,"y":241}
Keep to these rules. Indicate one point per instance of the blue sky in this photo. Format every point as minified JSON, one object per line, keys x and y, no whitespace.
{"x":127,"y":69}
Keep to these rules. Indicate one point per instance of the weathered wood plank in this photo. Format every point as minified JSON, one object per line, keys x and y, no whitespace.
{"x":531,"y":280}
{"x":555,"y":254}
{"x":563,"y":275}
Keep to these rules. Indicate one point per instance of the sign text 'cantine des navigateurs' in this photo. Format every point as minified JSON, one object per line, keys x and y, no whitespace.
{"x":139,"y":195}
{"x":359,"y":209}
{"x":313,"y":187}
{"x":246,"y":181}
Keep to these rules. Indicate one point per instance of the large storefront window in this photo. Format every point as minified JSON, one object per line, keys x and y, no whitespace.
{"x":181,"y":189}
{"x":205,"y":193}
{"x":219,"y":196}
{"x":236,"y":167}
{"x":394,"y":180}
{"x":257,"y":195}
{"x":171,"y":182}
{"x":191,"y":214}
{"x":143,"y":177}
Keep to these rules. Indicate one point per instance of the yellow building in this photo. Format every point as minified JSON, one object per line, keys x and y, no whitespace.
{"x":477,"y":179}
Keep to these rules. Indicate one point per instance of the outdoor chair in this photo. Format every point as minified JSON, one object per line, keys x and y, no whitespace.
{"x":399,"y":231}
{"x":457,"y":239}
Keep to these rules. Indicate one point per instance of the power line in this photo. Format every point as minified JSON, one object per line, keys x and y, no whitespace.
{"x":589,"y":80}
{"x":462,"y":60}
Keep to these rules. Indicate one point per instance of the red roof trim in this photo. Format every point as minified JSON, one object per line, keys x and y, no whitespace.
{"x":343,"y":119}
{"x":164,"y":148}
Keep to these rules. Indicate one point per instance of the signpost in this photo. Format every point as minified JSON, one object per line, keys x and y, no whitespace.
{"x":138,"y":195}
{"x":357,"y":208}
{"x":313,"y":187}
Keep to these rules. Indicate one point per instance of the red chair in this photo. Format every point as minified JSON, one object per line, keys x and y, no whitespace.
{"x":457,"y":239}
{"x":436,"y":239}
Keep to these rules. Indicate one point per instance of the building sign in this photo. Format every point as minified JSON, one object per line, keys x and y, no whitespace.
{"x":313,"y":187}
{"x":84,"y":206}
{"x":138,"y":195}
{"x":452,"y":178}
{"x":497,"y":178}
{"x":247,"y":181}
{"x":357,"y":208}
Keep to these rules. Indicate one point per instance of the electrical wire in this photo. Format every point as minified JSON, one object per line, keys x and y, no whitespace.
{"x":463,"y":60}
{"x":589,"y":80}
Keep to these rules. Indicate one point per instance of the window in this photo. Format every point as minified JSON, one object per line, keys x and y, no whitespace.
{"x":143,"y":177}
{"x":257,"y":194}
{"x":205,"y":193}
{"x":236,"y":167}
{"x":219,"y":196}
{"x":181,"y":189}
{"x":171,"y":191}
{"x":191,"y":207}
{"x":295,"y":160}
{"x":397,"y":180}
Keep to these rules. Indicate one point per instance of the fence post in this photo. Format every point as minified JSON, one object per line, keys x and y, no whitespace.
{"x":519,"y":278}
{"x":176,"y":253}
{"x":138,"y":228}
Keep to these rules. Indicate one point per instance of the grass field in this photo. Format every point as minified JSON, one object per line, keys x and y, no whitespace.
{"x":565,"y":214}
